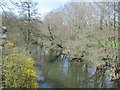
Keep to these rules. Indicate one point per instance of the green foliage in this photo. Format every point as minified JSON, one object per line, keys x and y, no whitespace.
{"x":113,"y":45}
{"x":109,"y":45}
{"x":90,"y":59}
{"x":18,"y":70}
{"x":96,"y":43}
{"x":103,"y":43}
{"x":98,"y":60}
{"x":110,"y":72}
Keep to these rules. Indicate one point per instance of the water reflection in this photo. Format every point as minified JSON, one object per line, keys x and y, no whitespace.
{"x":58,"y":72}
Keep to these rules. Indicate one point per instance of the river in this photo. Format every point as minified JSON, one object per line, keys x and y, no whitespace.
{"x":60,"y":73}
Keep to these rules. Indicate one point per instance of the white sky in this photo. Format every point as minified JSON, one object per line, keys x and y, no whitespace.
{"x":45,"y":6}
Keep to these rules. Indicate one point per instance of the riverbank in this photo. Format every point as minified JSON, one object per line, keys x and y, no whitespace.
{"x":75,"y":53}
{"x":101,"y":62}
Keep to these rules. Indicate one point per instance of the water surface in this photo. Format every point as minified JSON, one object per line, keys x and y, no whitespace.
{"x":60,"y":73}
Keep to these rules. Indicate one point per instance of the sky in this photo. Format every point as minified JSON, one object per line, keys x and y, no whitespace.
{"x":44,"y":6}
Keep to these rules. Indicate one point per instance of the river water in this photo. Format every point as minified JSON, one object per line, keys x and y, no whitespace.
{"x":60,"y":73}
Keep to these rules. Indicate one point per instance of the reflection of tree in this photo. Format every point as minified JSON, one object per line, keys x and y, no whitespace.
{"x":99,"y":78}
{"x":76,"y":75}
{"x":86,"y":71}
{"x":116,"y":83}
{"x":52,"y":56}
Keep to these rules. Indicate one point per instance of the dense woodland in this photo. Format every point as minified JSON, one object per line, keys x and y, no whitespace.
{"x":83,"y":31}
